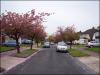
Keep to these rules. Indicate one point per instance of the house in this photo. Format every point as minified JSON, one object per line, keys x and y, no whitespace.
{"x":96,"y":36}
{"x":87,"y":35}
{"x":84,"y":38}
{"x":5,"y":38}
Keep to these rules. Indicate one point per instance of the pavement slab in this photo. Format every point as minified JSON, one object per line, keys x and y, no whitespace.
{"x":8,"y":62}
{"x":92,"y":62}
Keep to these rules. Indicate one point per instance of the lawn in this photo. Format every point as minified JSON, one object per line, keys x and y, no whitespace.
{"x":25,"y":45}
{"x":4,"y":48}
{"x":94,"y":49}
{"x":77,"y":53}
{"x":79,"y":46}
{"x":25,"y":53}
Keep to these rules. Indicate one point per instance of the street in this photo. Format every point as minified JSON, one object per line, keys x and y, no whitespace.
{"x":48,"y":61}
{"x":34,"y":33}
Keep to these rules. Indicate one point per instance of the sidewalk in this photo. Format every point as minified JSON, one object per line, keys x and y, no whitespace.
{"x":91,"y":61}
{"x":8,"y":60}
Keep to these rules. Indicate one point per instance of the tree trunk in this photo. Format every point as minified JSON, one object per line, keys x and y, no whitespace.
{"x":37,"y":44}
{"x":31,"y":44}
{"x":70,"y":44}
{"x":17,"y":46}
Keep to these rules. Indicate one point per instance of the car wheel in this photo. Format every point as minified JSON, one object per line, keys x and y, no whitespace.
{"x":57,"y":50}
{"x":67,"y":51}
{"x":91,"y":46}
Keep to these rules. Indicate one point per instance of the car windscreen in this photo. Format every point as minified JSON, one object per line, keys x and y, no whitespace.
{"x":46,"y":43}
{"x":62,"y":44}
{"x":11,"y":42}
{"x":93,"y":41}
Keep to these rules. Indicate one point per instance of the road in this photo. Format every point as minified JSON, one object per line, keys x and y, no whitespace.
{"x":48,"y":61}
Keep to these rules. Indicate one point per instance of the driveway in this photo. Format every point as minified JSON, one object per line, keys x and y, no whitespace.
{"x":48,"y":61}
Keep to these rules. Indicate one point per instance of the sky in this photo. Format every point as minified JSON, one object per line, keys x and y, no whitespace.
{"x":82,"y":14}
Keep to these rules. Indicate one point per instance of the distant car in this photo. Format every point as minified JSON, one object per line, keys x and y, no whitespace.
{"x":26,"y":41}
{"x":68,"y":43}
{"x":93,"y":44}
{"x":62,"y":47}
{"x":46,"y":45}
{"x":11,"y":43}
{"x":1,"y":43}
{"x":52,"y":43}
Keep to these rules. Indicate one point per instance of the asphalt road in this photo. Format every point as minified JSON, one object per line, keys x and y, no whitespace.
{"x":48,"y":61}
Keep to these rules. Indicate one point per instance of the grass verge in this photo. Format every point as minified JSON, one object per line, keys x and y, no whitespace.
{"x":25,"y":53}
{"x":79,"y":46}
{"x":94,"y":49}
{"x":4,"y":48}
{"x":25,"y":45}
{"x":77,"y":53}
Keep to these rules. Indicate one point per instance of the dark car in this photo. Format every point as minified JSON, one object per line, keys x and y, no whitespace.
{"x":11,"y":43}
{"x":46,"y":45}
{"x":1,"y":43}
{"x":68,"y":43}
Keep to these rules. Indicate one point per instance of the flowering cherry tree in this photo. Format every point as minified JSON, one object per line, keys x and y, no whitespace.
{"x":14,"y":24}
{"x":36,"y":31}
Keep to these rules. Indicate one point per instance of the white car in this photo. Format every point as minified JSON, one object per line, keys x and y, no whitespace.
{"x":26,"y":41}
{"x":93,"y":44}
{"x":62,"y":47}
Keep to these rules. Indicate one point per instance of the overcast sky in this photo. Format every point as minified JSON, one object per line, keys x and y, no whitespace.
{"x":83,"y":14}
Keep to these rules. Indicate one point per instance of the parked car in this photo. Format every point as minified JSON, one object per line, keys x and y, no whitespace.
{"x":1,"y":43}
{"x":68,"y":43}
{"x":82,"y":41}
{"x":61,"y":47}
{"x":52,"y":43}
{"x":46,"y":45}
{"x":26,"y":41}
{"x":93,"y":44}
{"x":11,"y":43}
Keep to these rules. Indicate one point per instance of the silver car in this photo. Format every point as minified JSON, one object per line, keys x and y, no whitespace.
{"x":46,"y":45}
{"x":93,"y":44}
{"x":61,"y":47}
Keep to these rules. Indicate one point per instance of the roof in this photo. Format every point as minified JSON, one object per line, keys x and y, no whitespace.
{"x":90,"y":32}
